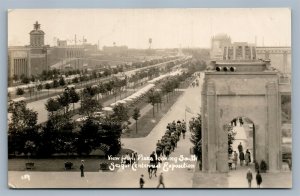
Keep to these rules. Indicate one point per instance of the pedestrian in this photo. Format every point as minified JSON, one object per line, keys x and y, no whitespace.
{"x":183,"y":130}
{"x":235,"y":159}
{"x":82,"y":168}
{"x":258,"y":179}
{"x":247,"y":157}
{"x":249,"y":177}
{"x":167,"y":150}
{"x":153,"y":158}
{"x":242,"y":158}
{"x":161,"y":180}
{"x":240,"y":147}
{"x":142,"y":181}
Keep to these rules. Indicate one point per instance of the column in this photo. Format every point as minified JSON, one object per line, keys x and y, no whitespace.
{"x":234,"y":53}
{"x":273,"y":129}
{"x":211,"y":127}
{"x":243,"y":52}
{"x":204,"y":127}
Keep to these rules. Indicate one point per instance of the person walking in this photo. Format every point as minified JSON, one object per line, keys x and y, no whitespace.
{"x":249,"y":177}
{"x":235,"y":159}
{"x":161,"y":180}
{"x":247,"y":157}
{"x":142,"y":181}
{"x":258,"y":179}
{"x":242,"y":158}
{"x":240,"y":147}
{"x":82,"y":168}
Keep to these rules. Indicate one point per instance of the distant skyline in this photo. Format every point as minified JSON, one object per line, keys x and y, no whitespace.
{"x":168,"y":28}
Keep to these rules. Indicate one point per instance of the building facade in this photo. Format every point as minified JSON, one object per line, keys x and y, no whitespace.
{"x":279,"y":56}
{"x":217,"y":44}
{"x":32,"y":59}
{"x":239,"y":51}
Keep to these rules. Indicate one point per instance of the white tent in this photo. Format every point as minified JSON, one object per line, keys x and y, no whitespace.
{"x":108,"y":109}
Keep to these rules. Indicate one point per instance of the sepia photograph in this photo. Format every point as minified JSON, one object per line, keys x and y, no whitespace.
{"x":172,"y":98}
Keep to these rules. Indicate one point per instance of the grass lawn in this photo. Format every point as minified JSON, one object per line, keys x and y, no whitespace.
{"x":91,"y":163}
{"x":147,"y":122}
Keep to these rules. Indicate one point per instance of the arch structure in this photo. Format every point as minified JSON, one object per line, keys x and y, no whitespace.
{"x":251,"y":90}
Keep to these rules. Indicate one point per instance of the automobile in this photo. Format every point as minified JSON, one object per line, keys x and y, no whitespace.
{"x":81,"y":119}
{"x":98,"y":114}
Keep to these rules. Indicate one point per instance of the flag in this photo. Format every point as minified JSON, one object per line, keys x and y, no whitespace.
{"x":188,"y":109}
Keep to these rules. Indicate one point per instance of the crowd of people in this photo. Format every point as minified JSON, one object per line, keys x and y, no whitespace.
{"x":169,"y":140}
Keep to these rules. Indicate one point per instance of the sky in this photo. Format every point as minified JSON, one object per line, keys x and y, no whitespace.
{"x":168,"y":28}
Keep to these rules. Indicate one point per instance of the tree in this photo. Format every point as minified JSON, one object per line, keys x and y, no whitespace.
{"x":136,"y":115}
{"x":231,"y":137}
{"x":21,"y":116}
{"x":74,"y":97}
{"x":75,"y":80}
{"x":87,"y":137}
{"x":22,"y":122}
{"x":102,"y":88}
{"x":47,"y":86}
{"x":55,"y":84}
{"x":19,"y":91}
{"x":196,"y":136}
{"x":15,"y":77}
{"x":52,"y":106}
{"x":25,"y":80}
{"x":158,"y":98}
{"x":65,"y":100}
{"x":89,"y":106}
{"x":32,"y":79}
{"x":152,"y":99}
{"x":110,"y":134}
{"x":39,"y":87}
{"x":120,"y":113}
{"x":62,"y":81}
{"x":30,"y":90}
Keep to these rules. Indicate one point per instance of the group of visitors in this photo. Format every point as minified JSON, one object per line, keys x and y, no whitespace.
{"x":169,"y":140}
{"x":249,"y":177}
{"x":243,"y":157}
{"x":129,"y":158}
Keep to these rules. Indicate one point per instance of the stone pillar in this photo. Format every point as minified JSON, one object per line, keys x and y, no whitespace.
{"x":211,"y":127}
{"x":273,"y":129}
{"x":222,"y":142}
{"x":234,"y":53}
{"x":29,"y":63}
{"x":243,"y":52}
{"x":227,"y":55}
{"x":204,"y":127}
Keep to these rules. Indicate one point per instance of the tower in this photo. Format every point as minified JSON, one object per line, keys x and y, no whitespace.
{"x":37,"y":36}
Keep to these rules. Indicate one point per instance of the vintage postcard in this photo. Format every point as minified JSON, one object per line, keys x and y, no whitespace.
{"x":149,"y":98}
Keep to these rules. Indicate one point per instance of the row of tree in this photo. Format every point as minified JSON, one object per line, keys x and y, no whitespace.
{"x":59,"y":135}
